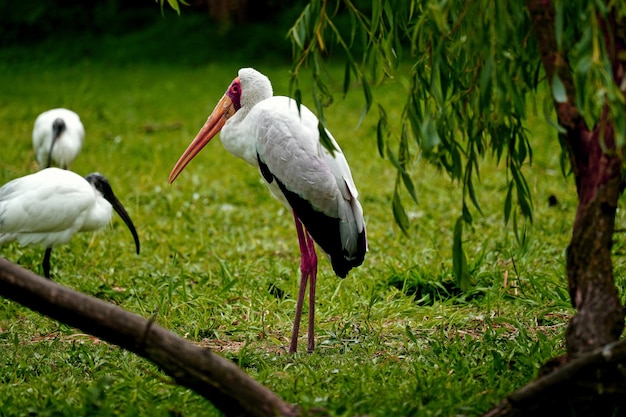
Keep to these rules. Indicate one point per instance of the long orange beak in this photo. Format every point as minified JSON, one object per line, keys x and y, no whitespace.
{"x":222,"y":112}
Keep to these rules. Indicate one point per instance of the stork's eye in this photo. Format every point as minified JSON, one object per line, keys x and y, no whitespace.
{"x":234,"y":89}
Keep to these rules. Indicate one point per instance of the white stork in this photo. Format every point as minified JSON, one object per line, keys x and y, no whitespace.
{"x":48,"y":207}
{"x":282,"y":141}
{"x":58,"y":136}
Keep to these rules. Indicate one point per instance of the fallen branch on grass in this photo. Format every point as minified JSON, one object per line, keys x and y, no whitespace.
{"x":218,"y":380}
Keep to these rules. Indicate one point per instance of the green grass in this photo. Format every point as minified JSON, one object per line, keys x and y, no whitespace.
{"x":392,"y":339}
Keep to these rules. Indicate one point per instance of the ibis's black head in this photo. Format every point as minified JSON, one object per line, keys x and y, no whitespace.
{"x":100,"y":183}
{"x":58,"y":127}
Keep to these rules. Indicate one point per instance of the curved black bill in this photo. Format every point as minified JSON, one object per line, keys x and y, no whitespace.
{"x":124,"y":215}
{"x":102,"y":185}
{"x":58,"y":127}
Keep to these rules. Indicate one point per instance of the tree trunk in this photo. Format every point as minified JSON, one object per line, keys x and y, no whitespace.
{"x":598,"y":388}
{"x":597,"y":168}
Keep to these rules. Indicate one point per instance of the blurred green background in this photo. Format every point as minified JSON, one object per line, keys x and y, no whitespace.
{"x":118,"y":31}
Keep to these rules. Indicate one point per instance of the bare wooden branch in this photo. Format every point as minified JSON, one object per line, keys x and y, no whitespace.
{"x":218,"y":380}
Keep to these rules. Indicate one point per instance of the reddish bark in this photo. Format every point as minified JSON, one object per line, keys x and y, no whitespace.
{"x":585,"y":382}
{"x":597,"y":170}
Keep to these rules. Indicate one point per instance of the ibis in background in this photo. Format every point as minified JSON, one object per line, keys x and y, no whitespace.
{"x":283,"y":141}
{"x":48,"y":207}
{"x":57,"y":137}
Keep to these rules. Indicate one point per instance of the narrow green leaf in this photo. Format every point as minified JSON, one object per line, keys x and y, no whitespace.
{"x":444,"y":81}
{"x":584,"y":64}
{"x":521,"y":145}
{"x":174,"y":5}
{"x":484,"y":85}
{"x":523,"y":193}
{"x":325,"y":139}
{"x":297,"y":36}
{"x":297,"y":96}
{"x":389,"y":54}
{"x":620,"y":131}
{"x":346,"y":78}
{"x":471,"y":191}
{"x":408,"y":183}
{"x":558,"y":89}
{"x":466,"y":214}
{"x":375,"y":15}
{"x":228,"y":286}
{"x":550,"y":120}
{"x":399,"y":214}
{"x":558,"y":24}
{"x":410,"y":334}
{"x":430,"y":136}
{"x":523,"y":199}
{"x":382,"y":130}
{"x":508,"y":203}
{"x":394,"y":160}
{"x":516,"y":97}
{"x":457,"y":167}
{"x":435,"y":80}
{"x":468,"y":184}
{"x":416,"y":127}
{"x":308,"y":23}
{"x":564,"y":159}
{"x":354,"y":25}
{"x":318,"y":104}
{"x":459,"y":260}
{"x":388,"y":13}
{"x":380,"y":137}
{"x":367,"y":92}
{"x":520,"y":233}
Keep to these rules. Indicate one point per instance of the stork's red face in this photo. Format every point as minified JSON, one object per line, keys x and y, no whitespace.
{"x":225,"y":108}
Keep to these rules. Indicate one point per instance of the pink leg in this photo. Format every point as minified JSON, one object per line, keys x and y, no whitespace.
{"x":313,"y":282}
{"x":308,"y":268}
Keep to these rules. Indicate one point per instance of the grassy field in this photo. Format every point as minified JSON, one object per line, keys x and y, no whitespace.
{"x":392,"y":338}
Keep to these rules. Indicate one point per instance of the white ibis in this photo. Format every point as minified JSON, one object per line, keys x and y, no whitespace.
{"x":282,"y":141}
{"x":57,"y":137}
{"x":48,"y":207}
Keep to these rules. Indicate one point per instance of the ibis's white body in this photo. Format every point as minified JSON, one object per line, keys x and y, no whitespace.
{"x":47,"y":208}
{"x":67,"y":145}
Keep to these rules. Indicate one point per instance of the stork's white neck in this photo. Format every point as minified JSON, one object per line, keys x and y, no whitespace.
{"x":238,"y":139}
{"x":238,"y":135}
